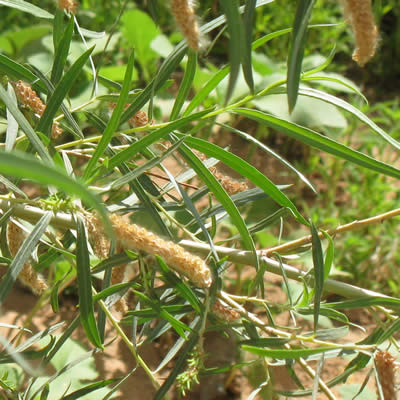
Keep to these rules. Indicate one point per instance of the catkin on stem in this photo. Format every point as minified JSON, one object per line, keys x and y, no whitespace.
{"x":386,"y":369}
{"x":361,"y":18}
{"x":185,"y":17}
{"x":28,"y":276}
{"x":222,"y":311}
{"x":29,"y":97}
{"x":134,"y":237}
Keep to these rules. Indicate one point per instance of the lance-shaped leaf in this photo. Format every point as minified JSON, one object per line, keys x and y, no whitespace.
{"x":85,"y":286}
{"x":297,"y":45}
{"x":23,"y":255}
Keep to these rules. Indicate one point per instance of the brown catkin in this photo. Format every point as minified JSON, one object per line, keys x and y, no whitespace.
{"x":359,"y":13}
{"x":29,"y":97}
{"x":139,"y":119}
{"x":134,"y":237}
{"x":231,"y":185}
{"x":185,"y":17}
{"x":28,"y":276}
{"x":117,"y":276}
{"x":67,"y":5}
{"x":100,"y":244}
{"x":224,"y":312}
{"x":386,"y":369}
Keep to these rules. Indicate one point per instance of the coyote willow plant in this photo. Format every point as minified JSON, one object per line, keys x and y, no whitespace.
{"x":88,"y":202}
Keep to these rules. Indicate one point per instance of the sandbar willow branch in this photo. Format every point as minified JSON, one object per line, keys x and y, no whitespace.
{"x":64,"y":220}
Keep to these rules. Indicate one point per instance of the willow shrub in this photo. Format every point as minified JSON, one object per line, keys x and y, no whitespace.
{"x":92,"y":150}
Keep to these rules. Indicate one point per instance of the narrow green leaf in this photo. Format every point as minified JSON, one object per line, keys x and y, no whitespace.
{"x":318,"y":261}
{"x":61,"y":91}
{"x":26,"y":7}
{"x":246,"y":170}
{"x":319,"y":141}
{"x":331,"y":334}
{"x":25,"y":126}
{"x":27,"y":354}
{"x":146,"y":141}
{"x":296,"y":52}
{"x":284,"y":354}
{"x":60,"y":342}
{"x":181,"y":361}
{"x":154,"y":311}
{"x":390,"y":330}
{"x":186,"y":84}
{"x":18,"y":71}
{"x":76,"y":130}
{"x":45,"y":392}
{"x":169,"y":65}
{"x":389,"y":302}
{"x":206,"y":90}
{"x":329,"y":313}
{"x":184,"y":290}
{"x":329,"y":256}
{"x":271,"y":152}
{"x":109,"y":291}
{"x":22,"y":165}
{"x":265,"y":342}
{"x":22,"y":256}
{"x":248,"y":24}
{"x":134,"y":174}
{"x":351,"y":109}
{"x":85,"y":286}
{"x":89,"y":389}
{"x":58,"y":27}
{"x":61,"y":53}
{"x":12,"y":124}
{"x":235,"y":29}
{"x":114,"y":120}
{"x":220,"y":194}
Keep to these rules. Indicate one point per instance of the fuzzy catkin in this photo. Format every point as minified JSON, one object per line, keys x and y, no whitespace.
{"x":224,"y":312}
{"x":134,"y":237}
{"x":117,"y":276}
{"x":28,"y":276}
{"x":67,"y":5}
{"x":231,"y":185}
{"x":359,"y":13}
{"x":185,"y":17}
{"x":29,"y":97}
{"x":386,"y":369}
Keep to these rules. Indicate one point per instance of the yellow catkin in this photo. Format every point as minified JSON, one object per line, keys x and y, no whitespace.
{"x":185,"y":17}
{"x":67,"y":5}
{"x":28,"y":276}
{"x":224,"y":312}
{"x":386,"y":369}
{"x":134,"y":237}
{"x":29,"y":97}
{"x":361,"y":18}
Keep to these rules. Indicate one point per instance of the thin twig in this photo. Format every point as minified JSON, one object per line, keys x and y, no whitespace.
{"x":251,"y":317}
{"x":295,"y":244}
{"x":66,"y":221}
